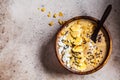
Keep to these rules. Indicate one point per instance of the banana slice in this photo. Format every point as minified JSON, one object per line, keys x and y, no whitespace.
{"x":75,"y":34}
{"x":77,"y":49}
{"x":75,"y":27}
{"x":83,"y":66}
{"x":78,"y":41}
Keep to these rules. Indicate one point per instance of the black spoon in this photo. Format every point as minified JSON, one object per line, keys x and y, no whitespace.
{"x":101,"y":22}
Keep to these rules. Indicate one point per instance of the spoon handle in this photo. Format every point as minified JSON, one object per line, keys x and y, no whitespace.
{"x":101,"y":22}
{"x":105,"y":15}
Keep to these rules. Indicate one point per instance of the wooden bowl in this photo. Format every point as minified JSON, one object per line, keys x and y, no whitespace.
{"x":109,"y":45}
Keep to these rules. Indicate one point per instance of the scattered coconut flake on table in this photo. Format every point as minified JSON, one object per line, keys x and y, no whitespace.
{"x":55,"y":15}
{"x":51,"y":23}
{"x":43,"y":9}
{"x":61,"y":22}
{"x":49,"y":14}
{"x":60,"y":14}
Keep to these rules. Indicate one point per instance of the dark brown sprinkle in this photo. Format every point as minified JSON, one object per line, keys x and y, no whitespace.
{"x":73,"y":45}
{"x":98,"y":61}
{"x":62,"y":40}
{"x":92,"y":62}
{"x":76,"y":63}
{"x":96,"y":47}
{"x":89,"y":53}
{"x":88,"y":35}
{"x":73,"y":62}
{"x":72,"y":52}
{"x":88,"y":59}
{"x":100,"y":50}
{"x":84,"y":42}
{"x":80,"y":58}
{"x":91,"y":57}
{"x":79,"y":52}
{"x":89,"y":49}
{"x":99,"y":38}
{"x":66,"y":47}
{"x":97,"y":53}
{"x":73,"y":36}
{"x":66,"y":32}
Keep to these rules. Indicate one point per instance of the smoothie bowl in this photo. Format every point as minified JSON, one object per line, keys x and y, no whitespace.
{"x":76,"y":51}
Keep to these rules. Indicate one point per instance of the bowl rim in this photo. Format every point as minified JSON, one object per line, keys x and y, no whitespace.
{"x":109,"y":50}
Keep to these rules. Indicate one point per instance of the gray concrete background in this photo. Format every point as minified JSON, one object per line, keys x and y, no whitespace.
{"x":26,"y":40}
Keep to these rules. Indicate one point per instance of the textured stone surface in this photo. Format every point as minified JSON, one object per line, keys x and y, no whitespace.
{"x":27,"y":42}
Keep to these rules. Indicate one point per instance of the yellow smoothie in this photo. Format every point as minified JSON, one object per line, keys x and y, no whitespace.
{"x":77,"y":51}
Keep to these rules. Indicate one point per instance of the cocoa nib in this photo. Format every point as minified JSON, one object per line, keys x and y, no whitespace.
{"x":99,"y":38}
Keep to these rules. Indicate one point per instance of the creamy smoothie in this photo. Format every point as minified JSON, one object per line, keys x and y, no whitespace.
{"x":76,"y":50}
